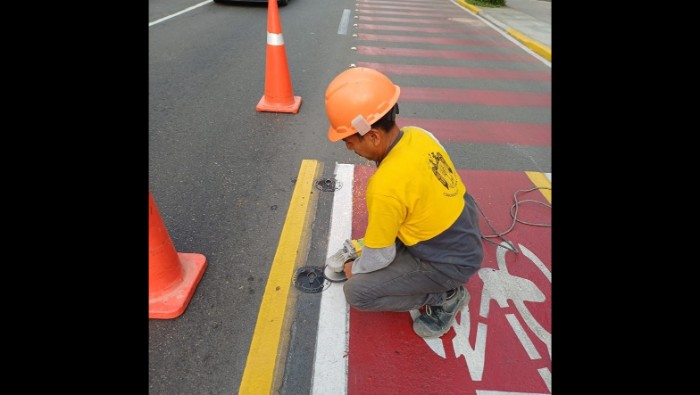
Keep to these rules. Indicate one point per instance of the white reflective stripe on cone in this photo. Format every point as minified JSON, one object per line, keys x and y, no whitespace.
{"x":275,"y":39}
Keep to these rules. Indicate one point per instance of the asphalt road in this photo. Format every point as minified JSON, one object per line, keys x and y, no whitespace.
{"x":222,"y":174}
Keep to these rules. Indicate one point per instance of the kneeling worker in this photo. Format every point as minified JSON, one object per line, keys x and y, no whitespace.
{"x":422,"y":242}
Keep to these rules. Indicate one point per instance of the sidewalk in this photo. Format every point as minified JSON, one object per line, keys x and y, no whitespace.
{"x":528,"y":21}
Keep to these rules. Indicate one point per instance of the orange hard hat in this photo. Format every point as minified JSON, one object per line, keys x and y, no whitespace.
{"x":357,"y":98}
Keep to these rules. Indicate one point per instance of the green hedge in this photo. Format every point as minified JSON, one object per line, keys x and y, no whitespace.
{"x":487,"y":3}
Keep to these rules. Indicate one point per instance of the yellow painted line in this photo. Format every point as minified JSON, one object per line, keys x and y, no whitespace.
{"x":265,"y":361}
{"x":472,"y":8}
{"x":541,"y":181}
{"x":534,"y":45}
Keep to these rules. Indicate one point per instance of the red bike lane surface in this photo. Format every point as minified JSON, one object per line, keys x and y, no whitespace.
{"x":504,"y":347}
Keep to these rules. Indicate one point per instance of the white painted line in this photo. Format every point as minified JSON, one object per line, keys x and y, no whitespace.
{"x":178,"y":13}
{"x":483,"y":392}
{"x":546,"y":377}
{"x":537,"y":261}
{"x":330,"y":374}
{"x":522,"y":336}
{"x":344,"y":20}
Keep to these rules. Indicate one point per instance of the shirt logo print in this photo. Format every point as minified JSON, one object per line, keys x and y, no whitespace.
{"x":443,"y":172}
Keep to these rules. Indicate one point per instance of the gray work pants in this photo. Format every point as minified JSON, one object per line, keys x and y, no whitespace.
{"x":406,"y":284}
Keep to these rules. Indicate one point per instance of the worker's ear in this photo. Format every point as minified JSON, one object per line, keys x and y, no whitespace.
{"x":374,"y":136}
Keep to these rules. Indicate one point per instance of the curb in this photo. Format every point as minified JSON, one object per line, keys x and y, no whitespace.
{"x":536,"y":46}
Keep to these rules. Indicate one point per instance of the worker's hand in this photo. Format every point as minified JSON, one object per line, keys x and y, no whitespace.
{"x":351,"y":249}
{"x":348,"y":269}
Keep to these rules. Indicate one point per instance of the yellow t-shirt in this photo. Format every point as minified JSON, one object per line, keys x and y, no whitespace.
{"x":417,"y":196}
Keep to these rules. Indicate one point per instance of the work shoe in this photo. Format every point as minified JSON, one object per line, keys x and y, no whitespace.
{"x":437,"y":320}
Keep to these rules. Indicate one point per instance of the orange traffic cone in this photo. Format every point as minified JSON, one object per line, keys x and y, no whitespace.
{"x":278,"y":96}
{"x":172,"y":276}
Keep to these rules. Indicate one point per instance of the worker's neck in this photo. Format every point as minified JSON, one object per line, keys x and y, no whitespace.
{"x":388,"y":142}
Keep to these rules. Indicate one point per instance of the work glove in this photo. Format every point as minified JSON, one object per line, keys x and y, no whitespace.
{"x":350,"y":251}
